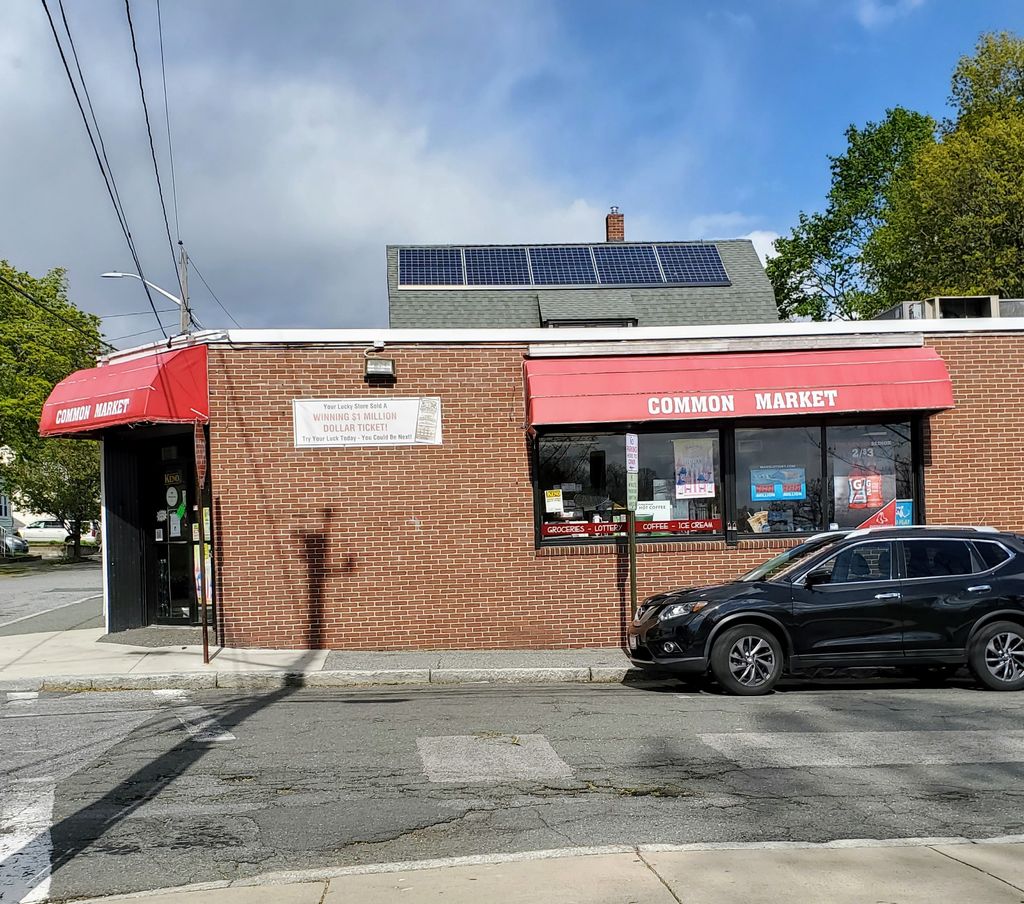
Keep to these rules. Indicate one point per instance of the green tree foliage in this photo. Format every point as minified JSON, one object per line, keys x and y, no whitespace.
{"x":38,"y":348}
{"x":820,"y":270}
{"x":61,"y":477}
{"x":991,"y":81}
{"x":955,"y":223}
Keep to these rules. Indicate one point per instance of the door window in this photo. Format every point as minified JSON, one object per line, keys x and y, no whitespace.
{"x":863,"y":562}
{"x":937,"y":558}
{"x":992,"y":554}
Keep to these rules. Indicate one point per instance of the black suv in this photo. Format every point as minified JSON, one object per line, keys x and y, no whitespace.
{"x":923,"y":599}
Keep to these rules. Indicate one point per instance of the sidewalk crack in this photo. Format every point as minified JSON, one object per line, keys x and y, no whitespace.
{"x":657,"y":876}
{"x":327,"y":888}
{"x":984,"y":872}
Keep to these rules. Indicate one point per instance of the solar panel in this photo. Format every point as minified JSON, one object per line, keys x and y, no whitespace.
{"x":699,"y":265}
{"x":627,"y":264}
{"x":497,"y":267}
{"x":430,"y":267}
{"x":565,"y":265}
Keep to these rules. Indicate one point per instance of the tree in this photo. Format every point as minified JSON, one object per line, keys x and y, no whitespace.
{"x":59,"y":476}
{"x":820,"y":270}
{"x":991,"y":81}
{"x":41,"y":342}
{"x":38,"y":348}
{"x":955,"y":224}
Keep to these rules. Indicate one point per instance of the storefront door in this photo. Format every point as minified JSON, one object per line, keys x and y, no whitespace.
{"x":170,"y":532}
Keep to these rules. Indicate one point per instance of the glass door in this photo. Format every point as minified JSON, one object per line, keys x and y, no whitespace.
{"x":171,"y":534}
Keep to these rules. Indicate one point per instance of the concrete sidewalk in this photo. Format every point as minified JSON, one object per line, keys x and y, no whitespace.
{"x":918,"y":871}
{"x":74,"y":660}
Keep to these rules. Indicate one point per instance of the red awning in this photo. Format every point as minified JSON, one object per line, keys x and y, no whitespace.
{"x":164,"y":388}
{"x":689,"y":387}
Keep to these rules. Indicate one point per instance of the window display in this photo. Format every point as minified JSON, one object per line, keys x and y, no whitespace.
{"x":583,"y":479}
{"x":870,"y":475}
{"x":782,"y":480}
{"x":778,"y":480}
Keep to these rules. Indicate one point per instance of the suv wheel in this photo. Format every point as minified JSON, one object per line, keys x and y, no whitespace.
{"x":747,"y":660}
{"x":997,"y":656}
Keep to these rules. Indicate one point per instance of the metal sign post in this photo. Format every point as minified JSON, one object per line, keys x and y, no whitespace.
{"x":632,"y":469}
{"x":199,"y":437}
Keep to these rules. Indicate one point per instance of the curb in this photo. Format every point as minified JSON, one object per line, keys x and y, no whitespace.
{"x":273,"y":680}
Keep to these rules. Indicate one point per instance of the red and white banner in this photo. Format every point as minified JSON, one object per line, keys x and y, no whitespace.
{"x":600,"y":529}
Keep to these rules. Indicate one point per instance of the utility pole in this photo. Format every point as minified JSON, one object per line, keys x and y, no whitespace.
{"x":186,"y":313}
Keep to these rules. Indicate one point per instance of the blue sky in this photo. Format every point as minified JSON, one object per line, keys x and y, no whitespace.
{"x":307,"y":135}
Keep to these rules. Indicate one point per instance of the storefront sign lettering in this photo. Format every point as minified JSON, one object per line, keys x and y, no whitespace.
{"x":330,"y":423}
{"x":691,"y":404}
{"x":805,"y":398}
{"x":587,"y":529}
{"x":84,"y":412}
{"x":728,"y":403}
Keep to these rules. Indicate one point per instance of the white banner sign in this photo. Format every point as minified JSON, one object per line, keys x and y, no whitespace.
{"x":328,"y":423}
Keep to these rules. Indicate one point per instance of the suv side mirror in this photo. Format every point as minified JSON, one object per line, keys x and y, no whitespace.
{"x":821,"y":576}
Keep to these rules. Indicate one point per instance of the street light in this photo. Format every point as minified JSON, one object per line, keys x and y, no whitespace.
{"x":185,"y":313}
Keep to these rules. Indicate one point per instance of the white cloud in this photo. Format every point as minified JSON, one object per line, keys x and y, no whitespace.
{"x":878,"y":13}
{"x":764,"y":243}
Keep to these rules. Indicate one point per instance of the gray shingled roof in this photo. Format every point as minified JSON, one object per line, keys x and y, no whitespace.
{"x":749,"y":299}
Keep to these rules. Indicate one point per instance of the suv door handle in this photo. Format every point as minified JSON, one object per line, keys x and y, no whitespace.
{"x":979,"y":588}
{"x":888,"y":596}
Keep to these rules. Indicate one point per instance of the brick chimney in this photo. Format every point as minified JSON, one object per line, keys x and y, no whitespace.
{"x":615,"y":226}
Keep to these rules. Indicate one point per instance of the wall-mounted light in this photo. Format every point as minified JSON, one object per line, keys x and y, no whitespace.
{"x":380,"y":367}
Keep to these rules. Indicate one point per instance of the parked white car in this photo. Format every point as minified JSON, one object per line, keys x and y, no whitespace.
{"x":56,"y":532}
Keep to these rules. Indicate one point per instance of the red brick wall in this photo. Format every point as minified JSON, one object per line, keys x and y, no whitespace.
{"x":433,"y":546}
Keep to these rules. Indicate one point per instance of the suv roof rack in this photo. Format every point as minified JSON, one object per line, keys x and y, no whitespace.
{"x":861,"y":531}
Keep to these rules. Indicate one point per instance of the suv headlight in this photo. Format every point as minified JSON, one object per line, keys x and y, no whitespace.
{"x":678,"y":609}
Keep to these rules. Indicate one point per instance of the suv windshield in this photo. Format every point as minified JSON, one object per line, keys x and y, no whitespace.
{"x":786,"y":562}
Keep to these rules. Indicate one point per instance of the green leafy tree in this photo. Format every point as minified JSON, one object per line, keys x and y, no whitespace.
{"x":820,"y":270}
{"x":41,"y":342}
{"x":62,"y":477}
{"x":955,"y":224}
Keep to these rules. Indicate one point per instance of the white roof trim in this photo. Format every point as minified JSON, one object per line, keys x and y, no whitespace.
{"x":589,"y":335}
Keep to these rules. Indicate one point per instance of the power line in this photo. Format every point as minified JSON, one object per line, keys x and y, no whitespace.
{"x":133,"y":335}
{"x":33,"y":300}
{"x":108,"y":174}
{"x":152,"y":146}
{"x":167,"y":121}
{"x":137,"y":313}
{"x":214,"y":294}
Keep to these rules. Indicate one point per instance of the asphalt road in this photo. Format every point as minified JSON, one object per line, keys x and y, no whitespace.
{"x":128,"y":791}
{"x":48,"y":597}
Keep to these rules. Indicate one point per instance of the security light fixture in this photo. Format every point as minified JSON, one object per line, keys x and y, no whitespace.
{"x":379,"y":369}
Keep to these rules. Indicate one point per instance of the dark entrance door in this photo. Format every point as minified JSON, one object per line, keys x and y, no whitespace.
{"x":169,"y":528}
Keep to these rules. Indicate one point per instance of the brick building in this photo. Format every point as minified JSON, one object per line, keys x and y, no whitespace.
{"x":475,"y":498}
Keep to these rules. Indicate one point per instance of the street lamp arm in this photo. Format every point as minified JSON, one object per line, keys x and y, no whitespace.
{"x":155,"y":288}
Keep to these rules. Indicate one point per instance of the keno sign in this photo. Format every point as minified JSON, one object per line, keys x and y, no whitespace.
{"x":330,"y":423}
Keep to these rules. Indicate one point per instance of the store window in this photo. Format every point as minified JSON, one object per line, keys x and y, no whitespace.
{"x":778,"y":480}
{"x":583,"y":485}
{"x":788,"y":480}
{"x":870,"y":475}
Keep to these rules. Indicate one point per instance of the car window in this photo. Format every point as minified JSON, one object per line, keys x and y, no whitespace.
{"x":929,"y":558}
{"x":56,"y":525}
{"x":992,"y":554}
{"x":862,"y":562}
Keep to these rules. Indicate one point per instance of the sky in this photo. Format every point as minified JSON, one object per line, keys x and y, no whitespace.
{"x":307,"y":135}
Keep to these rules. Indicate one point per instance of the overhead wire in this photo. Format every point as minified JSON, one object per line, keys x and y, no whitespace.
{"x":167,"y":122}
{"x":202,"y":279}
{"x":136,"y":313}
{"x":152,"y":145}
{"x":133,"y":335}
{"x":57,"y":314}
{"x":105,"y":171}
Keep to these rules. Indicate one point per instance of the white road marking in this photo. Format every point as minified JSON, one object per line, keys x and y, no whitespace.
{"x":22,"y":695}
{"x":84,"y":599}
{"x":781,"y":750}
{"x":25,"y":844}
{"x":491,"y":759}
{"x":201,"y":725}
